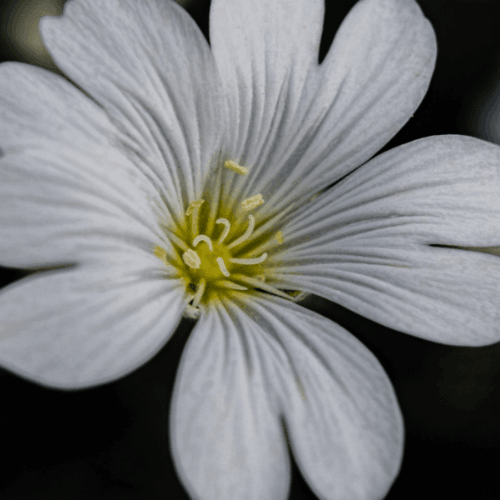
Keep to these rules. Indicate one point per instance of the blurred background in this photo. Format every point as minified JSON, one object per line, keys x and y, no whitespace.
{"x":111,"y":442}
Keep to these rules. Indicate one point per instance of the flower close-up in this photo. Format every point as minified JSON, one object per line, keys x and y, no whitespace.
{"x":167,"y":176}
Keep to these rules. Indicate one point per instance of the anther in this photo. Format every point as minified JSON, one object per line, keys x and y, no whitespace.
{"x":250,"y":262}
{"x":222,"y":267}
{"x":252,"y":202}
{"x":225,"y":232}
{"x":279,"y":237}
{"x":193,"y":205}
{"x":246,"y":234}
{"x":238,"y":169}
{"x":191,"y":259}
{"x":206,"y":239}
{"x":161,"y":253}
{"x":199,"y":292}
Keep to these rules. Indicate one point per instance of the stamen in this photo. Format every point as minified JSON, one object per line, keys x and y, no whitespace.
{"x":193,"y":205}
{"x":178,"y":241}
{"x":273,"y":221}
{"x":214,"y":202}
{"x":161,"y":253}
{"x":199,"y":292}
{"x":279,"y":237}
{"x":252,"y":202}
{"x":247,"y":233}
{"x":260,"y":284}
{"x":230,"y":285}
{"x":191,"y":259}
{"x":222,"y":267}
{"x":226,"y":230}
{"x":249,"y":262}
{"x":206,"y":239}
{"x":194,"y":210}
{"x":238,"y":169}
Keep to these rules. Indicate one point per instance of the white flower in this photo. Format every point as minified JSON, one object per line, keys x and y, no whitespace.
{"x":133,"y":185}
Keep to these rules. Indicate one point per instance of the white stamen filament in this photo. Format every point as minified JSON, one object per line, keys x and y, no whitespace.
{"x":178,"y":241}
{"x":250,"y":262}
{"x":194,"y":210}
{"x":206,"y":239}
{"x":214,"y":203}
{"x":225,"y":232}
{"x":230,"y":285}
{"x":246,"y":234}
{"x":222,"y":267}
{"x":199,"y":292}
{"x":274,"y":221}
{"x":260,"y":284}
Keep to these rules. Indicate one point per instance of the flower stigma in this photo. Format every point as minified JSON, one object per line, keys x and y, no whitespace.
{"x":217,"y":248}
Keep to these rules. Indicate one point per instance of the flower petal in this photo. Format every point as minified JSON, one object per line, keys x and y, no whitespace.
{"x":300,"y":126}
{"x":87,"y":325}
{"x":366,"y":243}
{"x":341,"y":413}
{"x":227,"y":439}
{"x":151,"y":69}
{"x":249,"y":364}
{"x":65,"y":189}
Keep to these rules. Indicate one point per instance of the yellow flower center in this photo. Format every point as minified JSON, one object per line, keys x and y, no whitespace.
{"x":219,"y":249}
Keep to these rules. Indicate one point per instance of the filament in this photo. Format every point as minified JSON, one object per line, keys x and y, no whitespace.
{"x":249,"y":262}
{"x":246,"y":234}
{"x":230,"y":285}
{"x":199,"y":292}
{"x":260,"y":284}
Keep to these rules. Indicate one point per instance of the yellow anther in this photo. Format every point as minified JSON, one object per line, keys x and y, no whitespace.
{"x":191,"y":259}
{"x":161,"y":253}
{"x":252,"y":202}
{"x":193,"y":205}
{"x":222,"y":267}
{"x":206,"y":239}
{"x":279,"y":237}
{"x":237,"y":169}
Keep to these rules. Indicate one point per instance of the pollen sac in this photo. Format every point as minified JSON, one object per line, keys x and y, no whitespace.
{"x":252,"y":202}
{"x":193,"y":205}
{"x":237,"y":169}
{"x":192,"y":259}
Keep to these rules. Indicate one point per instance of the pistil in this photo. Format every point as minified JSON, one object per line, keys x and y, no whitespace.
{"x":206,"y":239}
{"x":225,"y":231}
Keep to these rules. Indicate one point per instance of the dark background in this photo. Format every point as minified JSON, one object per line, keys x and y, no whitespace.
{"x":111,"y":442}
